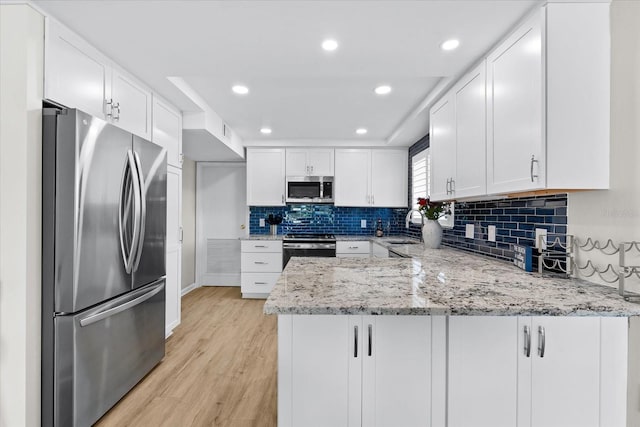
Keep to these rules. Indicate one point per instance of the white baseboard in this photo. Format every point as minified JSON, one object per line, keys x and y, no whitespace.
{"x":188,"y":289}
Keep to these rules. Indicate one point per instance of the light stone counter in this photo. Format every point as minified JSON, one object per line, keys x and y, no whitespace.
{"x":432,"y":282}
{"x":262,"y":237}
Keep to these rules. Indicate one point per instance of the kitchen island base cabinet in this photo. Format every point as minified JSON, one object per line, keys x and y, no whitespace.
{"x":536,"y":371}
{"x":339,"y":370}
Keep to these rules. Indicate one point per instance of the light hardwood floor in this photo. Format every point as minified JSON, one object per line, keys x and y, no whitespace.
{"x":219,"y":369}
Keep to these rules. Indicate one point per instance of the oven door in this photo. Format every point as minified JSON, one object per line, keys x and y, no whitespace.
{"x":306,"y":250}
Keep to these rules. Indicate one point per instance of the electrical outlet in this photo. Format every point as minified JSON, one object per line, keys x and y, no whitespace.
{"x":363,"y":223}
{"x":491,"y":233}
{"x":261,"y":222}
{"x":468,"y":233}
{"x":541,"y":239}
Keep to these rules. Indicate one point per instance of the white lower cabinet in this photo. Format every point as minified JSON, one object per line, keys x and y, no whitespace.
{"x":353,"y":249}
{"x":565,"y":372}
{"x":260,"y":267}
{"x":483,"y":371}
{"x":354,"y":370}
{"x":396,"y":371}
{"x":530,"y":372}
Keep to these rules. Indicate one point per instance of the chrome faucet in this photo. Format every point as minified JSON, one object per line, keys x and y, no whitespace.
{"x":408,"y":218}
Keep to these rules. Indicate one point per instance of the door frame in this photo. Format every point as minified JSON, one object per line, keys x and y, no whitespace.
{"x":201,"y":241}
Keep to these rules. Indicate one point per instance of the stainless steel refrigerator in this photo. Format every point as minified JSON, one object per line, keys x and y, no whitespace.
{"x":103,"y":258}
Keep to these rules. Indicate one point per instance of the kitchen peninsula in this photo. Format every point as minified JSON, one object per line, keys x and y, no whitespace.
{"x":449,"y":338}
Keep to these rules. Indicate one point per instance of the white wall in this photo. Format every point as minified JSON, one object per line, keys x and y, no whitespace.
{"x":615,"y":213}
{"x":188,"y":223}
{"x":21,"y":79}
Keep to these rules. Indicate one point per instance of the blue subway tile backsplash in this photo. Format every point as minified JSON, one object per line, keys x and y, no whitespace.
{"x":328,"y":219}
{"x":515,"y":220}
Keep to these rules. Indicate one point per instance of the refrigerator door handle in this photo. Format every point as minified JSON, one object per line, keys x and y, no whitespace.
{"x":129,"y":190}
{"x":96,"y":317}
{"x":142,"y":212}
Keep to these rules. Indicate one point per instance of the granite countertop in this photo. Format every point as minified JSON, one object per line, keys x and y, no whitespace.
{"x":262,"y":237}
{"x":432,"y":282}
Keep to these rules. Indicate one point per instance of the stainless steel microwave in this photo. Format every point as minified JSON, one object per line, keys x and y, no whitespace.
{"x":309,"y":189}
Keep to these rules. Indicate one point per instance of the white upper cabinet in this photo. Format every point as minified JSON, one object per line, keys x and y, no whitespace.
{"x":578,"y":57}
{"x":310,"y":162}
{"x":469,"y":98}
{"x":265,"y":176}
{"x":442,"y":147}
{"x":130,"y":104}
{"x":516,"y":144}
{"x":389,"y":170}
{"x":371,"y":177}
{"x":351,"y":183}
{"x":543,"y":109}
{"x":78,"y":76}
{"x":167,"y":130}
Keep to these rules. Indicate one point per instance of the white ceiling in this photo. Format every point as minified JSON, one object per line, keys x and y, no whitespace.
{"x":273,"y":47}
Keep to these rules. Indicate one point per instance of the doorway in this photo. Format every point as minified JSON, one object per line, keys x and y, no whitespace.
{"x":222,"y":218}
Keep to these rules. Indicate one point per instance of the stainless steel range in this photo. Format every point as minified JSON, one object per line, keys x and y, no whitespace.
{"x":308,"y":245}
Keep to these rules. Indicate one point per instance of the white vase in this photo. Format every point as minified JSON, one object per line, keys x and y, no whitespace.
{"x":432,"y":234}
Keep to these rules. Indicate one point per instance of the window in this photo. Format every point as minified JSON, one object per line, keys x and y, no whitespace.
{"x":419,"y":180}
{"x":421,"y":186}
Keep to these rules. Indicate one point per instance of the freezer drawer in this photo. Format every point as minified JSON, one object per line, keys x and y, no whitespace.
{"x":101,"y":353}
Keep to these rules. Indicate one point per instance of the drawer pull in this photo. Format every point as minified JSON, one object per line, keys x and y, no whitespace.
{"x":260,"y":262}
{"x":259,"y":283}
{"x":354,"y":247}
{"x":259,"y":246}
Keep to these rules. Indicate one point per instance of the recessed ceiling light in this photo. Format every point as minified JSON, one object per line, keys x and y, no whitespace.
{"x":383,"y":90}
{"x":361,"y":131}
{"x":329,"y":45}
{"x":240,"y":89}
{"x":450,"y":44}
{"x":265,"y":131}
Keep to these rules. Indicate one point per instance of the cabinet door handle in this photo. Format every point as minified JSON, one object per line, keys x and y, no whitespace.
{"x":533,"y":160}
{"x":355,"y":341}
{"x":373,"y":200}
{"x":447,"y":187}
{"x":311,"y":169}
{"x":527,"y":341}
{"x":453,"y":186}
{"x":116,"y":106}
{"x":108,"y":107}
{"x":368,"y":199}
{"x":541,"y":341}
{"x":283,"y":198}
{"x":370,"y":339}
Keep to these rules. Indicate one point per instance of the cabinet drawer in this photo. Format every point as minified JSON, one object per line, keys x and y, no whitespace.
{"x":261,"y":246}
{"x":360,"y":247}
{"x":258,"y":283}
{"x":261,"y":262}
